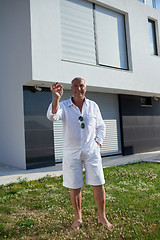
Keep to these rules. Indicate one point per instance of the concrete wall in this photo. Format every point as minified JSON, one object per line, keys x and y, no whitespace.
{"x":141,"y":79}
{"x":15,"y":70}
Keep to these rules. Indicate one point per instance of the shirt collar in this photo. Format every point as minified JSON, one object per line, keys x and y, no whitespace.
{"x":70,"y":103}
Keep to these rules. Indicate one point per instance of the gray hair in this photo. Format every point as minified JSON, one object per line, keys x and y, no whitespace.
{"x":80,"y":78}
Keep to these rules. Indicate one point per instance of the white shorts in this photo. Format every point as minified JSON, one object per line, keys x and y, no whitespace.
{"x":73,"y":163}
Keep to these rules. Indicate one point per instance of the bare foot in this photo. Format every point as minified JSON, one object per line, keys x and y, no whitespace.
{"x":76,"y":224}
{"x":105,"y":223}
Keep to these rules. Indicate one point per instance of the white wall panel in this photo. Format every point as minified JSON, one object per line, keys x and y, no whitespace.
{"x":45,"y":39}
{"x":110,"y":34}
{"x":15,"y":70}
{"x":77,"y":30}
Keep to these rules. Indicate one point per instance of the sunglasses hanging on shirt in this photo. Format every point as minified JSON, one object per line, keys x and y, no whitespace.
{"x":82,"y":123}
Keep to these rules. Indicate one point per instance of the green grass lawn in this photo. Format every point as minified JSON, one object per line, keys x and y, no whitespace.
{"x":41,"y":209}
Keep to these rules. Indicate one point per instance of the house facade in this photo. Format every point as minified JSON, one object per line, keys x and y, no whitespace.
{"x":114,"y":45}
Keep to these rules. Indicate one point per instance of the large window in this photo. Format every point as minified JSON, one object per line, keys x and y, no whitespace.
{"x":92,"y":34}
{"x":152,"y":35}
{"x":152,"y":3}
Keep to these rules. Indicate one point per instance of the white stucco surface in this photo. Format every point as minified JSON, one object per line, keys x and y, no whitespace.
{"x":144,"y":71}
{"x":15,"y":70}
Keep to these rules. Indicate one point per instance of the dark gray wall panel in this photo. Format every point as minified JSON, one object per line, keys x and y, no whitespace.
{"x":38,"y":129}
{"x":140,"y":125}
{"x":37,"y":158}
{"x":38,"y":138}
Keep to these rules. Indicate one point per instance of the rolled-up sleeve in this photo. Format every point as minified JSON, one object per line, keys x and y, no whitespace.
{"x":58,"y":115}
{"x":100,"y":128}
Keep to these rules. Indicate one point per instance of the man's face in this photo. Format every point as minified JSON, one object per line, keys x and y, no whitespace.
{"x":78,"y":88}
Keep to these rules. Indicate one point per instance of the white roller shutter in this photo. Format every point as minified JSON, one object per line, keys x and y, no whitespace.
{"x":57,"y":132}
{"x":77,"y":31}
{"x":58,"y":141}
{"x":111,"y":40}
{"x":108,"y":104}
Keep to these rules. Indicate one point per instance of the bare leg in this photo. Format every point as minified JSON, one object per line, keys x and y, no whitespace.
{"x":99,"y":195}
{"x":76,"y":202}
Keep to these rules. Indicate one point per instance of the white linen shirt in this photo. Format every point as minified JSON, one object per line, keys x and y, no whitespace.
{"x":74,"y":137}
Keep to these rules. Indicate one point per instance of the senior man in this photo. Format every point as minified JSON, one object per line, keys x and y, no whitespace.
{"x":83,"y":134}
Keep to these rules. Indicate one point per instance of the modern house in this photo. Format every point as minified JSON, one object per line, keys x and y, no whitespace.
{"x":113,"y":44}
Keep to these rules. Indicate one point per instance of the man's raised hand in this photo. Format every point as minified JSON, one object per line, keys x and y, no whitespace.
{"x":57,"y":90}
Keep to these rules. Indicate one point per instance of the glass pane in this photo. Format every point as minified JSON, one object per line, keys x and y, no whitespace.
{"x":149,"y":2}
{"x":141,"y":1}
{"x":151,"y":37}
{"x":158,"y":4}
{"x":154,"y":3}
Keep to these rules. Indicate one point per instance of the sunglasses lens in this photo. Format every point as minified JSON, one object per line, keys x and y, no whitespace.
{"x":81,"y":118}
{"x":82,"y":125}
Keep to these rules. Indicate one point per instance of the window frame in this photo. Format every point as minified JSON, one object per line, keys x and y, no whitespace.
{"x":154,"y":36}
